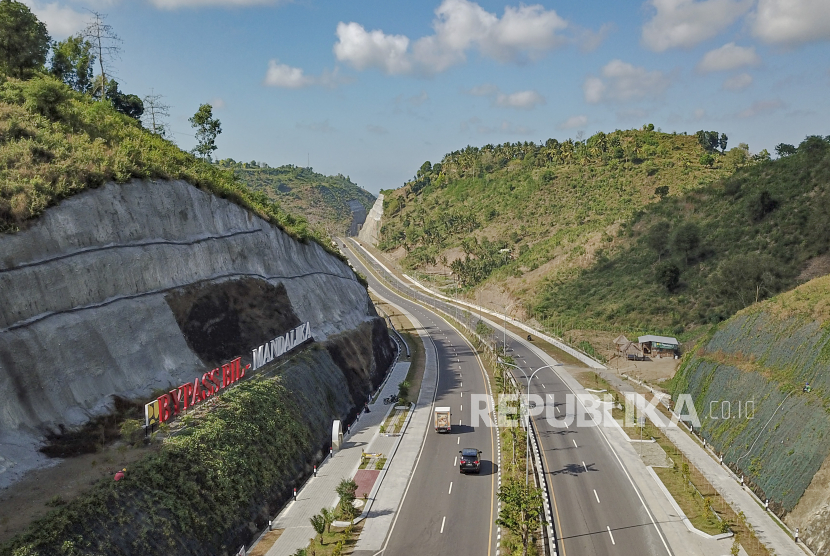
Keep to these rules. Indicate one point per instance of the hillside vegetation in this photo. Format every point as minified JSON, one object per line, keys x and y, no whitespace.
{"x":56,"y":142}
{"x":699,"y":257}
{"x":633,"y":229}
{"x":747,"y":377}
{"x":323,"y":200}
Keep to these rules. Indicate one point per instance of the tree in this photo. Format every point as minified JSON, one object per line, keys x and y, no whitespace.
{"x":784,"y":149}
{"x":105,"y":44}
{"x":24,"y":41}
{"x":130,"y":105}
{"x":207,"y":129}
{"x":72,"y":63}
{"x":521,"y":509}
{"x":155,"y":114}
{"x":346,"y":491}
{"x":686,"y":240}
{"x":328,"y":517}
{"x":319,"y":525}
{"x":707,"y":159}
{"x":722,"y":142}
{"x":762,"y":205}
{"x":668,"y":275}
{"x":661,"y":191}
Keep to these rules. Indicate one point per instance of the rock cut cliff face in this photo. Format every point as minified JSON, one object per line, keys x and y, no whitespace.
{"x":132,"y":289}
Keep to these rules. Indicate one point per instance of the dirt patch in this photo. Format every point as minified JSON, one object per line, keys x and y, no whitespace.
{"x":37,"y":493}
{"x":221,"y":320}
{"x":817,"y":266}
{"x":265,"y":543}
{"x":95,"y":434}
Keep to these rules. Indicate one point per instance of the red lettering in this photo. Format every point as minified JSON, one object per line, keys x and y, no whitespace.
{"x":198,"y":394}
{"x":237,"y":372}
{"x":214,"y":375}
{"x":164,"y":408}
{"x":176,"y":399}
{"x":227,"y":379}
{"x":187,"y":394}
{"x":207,"y":385}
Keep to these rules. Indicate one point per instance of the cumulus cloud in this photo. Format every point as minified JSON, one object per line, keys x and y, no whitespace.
{"x":521,"y":34}
{"x":287,"y":77}
{"x":588,"y":40}
{"x":574,"y":122}
{"x":685,"y":23}
{"x":61,"y":21}
{"x":761,"y":107}
{"x":364,"y":49}
{"x":728,"y":57}
{"x":623,"y":82}
{"x":791,"y":22}
{"x":176,"y":4}
{"x":738,"y":82}
{"x":525,"y":100}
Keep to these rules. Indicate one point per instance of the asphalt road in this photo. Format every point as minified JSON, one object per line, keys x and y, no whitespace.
{"x":597,"y":508}
{"x":443,"y":511}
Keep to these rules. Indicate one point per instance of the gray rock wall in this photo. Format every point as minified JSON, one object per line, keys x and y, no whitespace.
{"x":83,"y":314}
{"x":370,"y":232}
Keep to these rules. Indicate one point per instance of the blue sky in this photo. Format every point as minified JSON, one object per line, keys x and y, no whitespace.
{"x":372,"y":89}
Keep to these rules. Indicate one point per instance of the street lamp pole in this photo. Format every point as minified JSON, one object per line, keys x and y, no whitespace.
{"x":527,"y":413}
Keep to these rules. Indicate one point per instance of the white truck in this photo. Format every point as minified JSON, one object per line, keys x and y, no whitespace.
{"x":442,"y":419}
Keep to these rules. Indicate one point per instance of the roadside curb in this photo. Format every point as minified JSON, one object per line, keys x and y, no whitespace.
{"x":686,"y":522}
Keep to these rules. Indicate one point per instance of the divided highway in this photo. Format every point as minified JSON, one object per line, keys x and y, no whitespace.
{"x":443,"y":511}
{"x":597,"y":508}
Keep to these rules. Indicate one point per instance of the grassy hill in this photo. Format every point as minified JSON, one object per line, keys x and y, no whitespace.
{"x":323,"y":200}
{"x":699,"y":257}
{"x":56,"y":142}
{"x":633,"y":229}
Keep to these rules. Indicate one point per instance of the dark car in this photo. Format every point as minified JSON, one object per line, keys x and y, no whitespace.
{"x":470,"y":460}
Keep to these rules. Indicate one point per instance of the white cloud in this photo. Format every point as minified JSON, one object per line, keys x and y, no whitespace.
{"x":589,"y":40}
{"x":761,"y":107}
{"x":376,"y":129}
{"x":525,"y":100}
{"x":699,"y":114}
{"x":738,"y":82}
{"x":485,"y":90}
{"x":791,"y":22}
{"x":364,"y":49}
{"x":728,"y":57}
{"x":685,"y":23}
{"x":217,"y":103}
{"x":287,"y":77}
{"x":61,"y":21}
{"x":176,"y":4}
{"x":624,"y":82}
{"x":522,"y":33}
{"x":574,"y":122}
{"x":284,"y":76}
{"x":418,"y":99}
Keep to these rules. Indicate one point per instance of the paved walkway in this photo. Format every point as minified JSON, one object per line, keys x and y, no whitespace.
{"x":391,"y":483}
{"x":766,"y":529}
{"x":319,"y":492}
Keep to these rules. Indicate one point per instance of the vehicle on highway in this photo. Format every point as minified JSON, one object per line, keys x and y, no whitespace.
{"x":469,"y":461}
{"x":442,"y":419}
